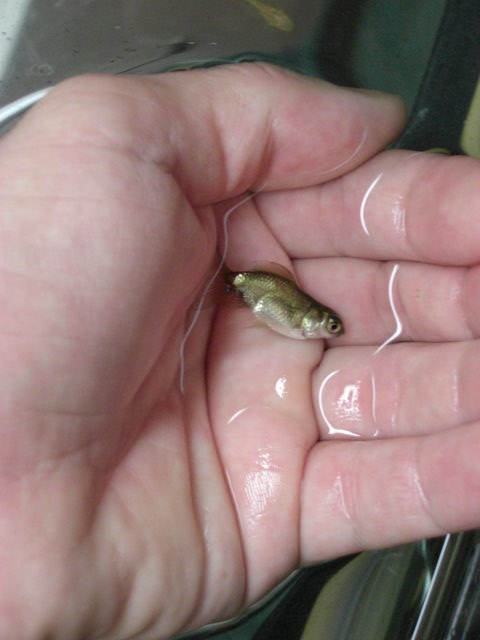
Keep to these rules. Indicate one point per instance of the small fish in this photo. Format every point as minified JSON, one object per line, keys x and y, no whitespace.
{"x":278,"y":302}
{"x":273,"y":16}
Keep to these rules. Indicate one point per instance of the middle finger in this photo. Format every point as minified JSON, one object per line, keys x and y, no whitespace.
{"x":398,"y":205}
{"x":424,"y":302}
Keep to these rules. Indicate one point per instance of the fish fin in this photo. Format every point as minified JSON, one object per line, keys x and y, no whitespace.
{"x":275,"y":268}
{"x":233,"y":300}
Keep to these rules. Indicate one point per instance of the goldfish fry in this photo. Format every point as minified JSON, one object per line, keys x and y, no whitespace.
{"x":277,"y":302}
{"x":273,"y":16}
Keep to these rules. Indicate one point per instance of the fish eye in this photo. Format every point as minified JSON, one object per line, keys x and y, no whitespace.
{"x":335,"y":325}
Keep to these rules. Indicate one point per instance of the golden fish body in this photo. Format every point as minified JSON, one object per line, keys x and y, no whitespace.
{"x":279,"y":303}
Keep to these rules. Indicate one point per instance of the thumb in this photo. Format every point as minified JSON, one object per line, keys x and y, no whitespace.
{"x":220,"y":131}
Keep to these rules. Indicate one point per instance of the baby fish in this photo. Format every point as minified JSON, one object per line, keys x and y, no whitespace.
{"x":279,"y":303}
{"x":273,"y":16}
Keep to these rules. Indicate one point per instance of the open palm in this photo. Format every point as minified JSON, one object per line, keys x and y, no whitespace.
{"x":131,"y":509}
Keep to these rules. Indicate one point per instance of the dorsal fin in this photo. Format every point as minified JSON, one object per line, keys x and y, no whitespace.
{"x":275,"y":268}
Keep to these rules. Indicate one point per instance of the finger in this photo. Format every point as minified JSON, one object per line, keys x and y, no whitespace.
{"x":263,"y":422}
{"x":398,"y":206}
{"x":403,"y":390}
{"x":374,"y":299}
{"x":223,"y":130}
{"x":359,"y":495}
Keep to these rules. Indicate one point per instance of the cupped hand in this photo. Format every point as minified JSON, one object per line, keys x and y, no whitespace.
{"x":131,"y":509}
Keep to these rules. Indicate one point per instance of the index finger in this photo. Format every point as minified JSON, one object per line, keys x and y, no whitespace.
{"x":397,"y":206}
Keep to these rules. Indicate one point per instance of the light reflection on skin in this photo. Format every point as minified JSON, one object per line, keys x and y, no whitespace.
{"x":336,"y":497}
{"x":281,"y":387}
{"x":398,"y":219}
{"x":347,"y":405}
{"x":260,"y":489}
{"x":374,"y":404}
{"x":364,"y":203}
{"x":455,"y":393}
{"x":261,"y":486}
{"x":398,"y":211}
{"x":415,"y":479}
{"x":236,"y":415}
{"x":398,"y":322}
{"x":331,"y":429}
{"x":395,"y":404}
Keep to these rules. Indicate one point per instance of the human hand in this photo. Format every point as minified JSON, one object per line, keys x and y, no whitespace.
{"x":128,"y":507}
